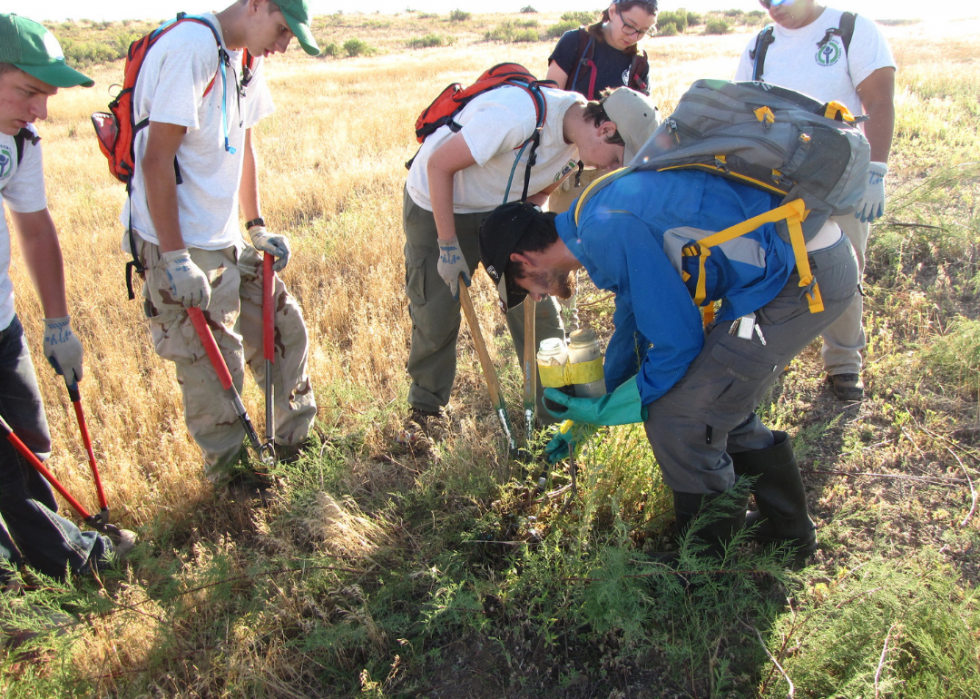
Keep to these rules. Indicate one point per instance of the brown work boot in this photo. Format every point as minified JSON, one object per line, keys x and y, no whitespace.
{"x":424,"y":427}
{"x":846,"y":386}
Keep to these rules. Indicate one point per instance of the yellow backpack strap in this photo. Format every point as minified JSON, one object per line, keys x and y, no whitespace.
{"x":833,"y":109}
{"x":596,"y":186}
{"x":793,"y":213}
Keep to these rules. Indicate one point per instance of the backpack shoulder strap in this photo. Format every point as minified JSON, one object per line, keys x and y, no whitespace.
{"x":21,"y":139}
{"x":847,"y":20}
{"x":584,"y":56}
{"x":758,"y":54}
{"x":597,"y":186}
{"x":639,"y":66}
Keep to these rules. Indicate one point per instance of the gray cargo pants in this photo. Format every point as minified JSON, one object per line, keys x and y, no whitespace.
{"x":235,"y":317}
{"x":709,"y":413}
{"x":436,"y":314}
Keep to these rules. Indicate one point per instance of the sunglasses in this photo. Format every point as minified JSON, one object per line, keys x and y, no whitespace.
{"x":770,"y":3}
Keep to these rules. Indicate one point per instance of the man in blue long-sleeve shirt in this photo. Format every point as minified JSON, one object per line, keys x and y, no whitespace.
{"x":696,"y":388}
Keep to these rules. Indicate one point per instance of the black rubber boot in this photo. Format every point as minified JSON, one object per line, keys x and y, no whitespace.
{"x":782,"y":515}
{"x":728,"y":518}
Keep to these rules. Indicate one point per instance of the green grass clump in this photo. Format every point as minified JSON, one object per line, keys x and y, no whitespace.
{"x":556,"y":30}
{"x":513,"y":32}
{"x":717,"y":26}
{"x":668,"y":29}
{"x":955,"y":357}
{"x":580,"y":18}
{"x":430,"y":40}
{"x":459,"y":16}
{"x":868,"y":634}
{"x":678,"y":19}
{"x":356,"y":47}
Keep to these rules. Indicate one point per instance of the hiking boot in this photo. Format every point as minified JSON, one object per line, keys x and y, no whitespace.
{"x":423,"y":427}
{"x":846,"y":386}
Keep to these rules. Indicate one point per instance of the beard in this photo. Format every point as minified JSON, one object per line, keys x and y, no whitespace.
{"x":563,"y":283}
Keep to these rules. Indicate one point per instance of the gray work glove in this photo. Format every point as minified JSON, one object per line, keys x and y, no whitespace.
{"x":276,"y":245}
{"x":189,"y":286}
{"x":62,"y":349}
{"x":872,"y":204}
{"x":452,"y":264}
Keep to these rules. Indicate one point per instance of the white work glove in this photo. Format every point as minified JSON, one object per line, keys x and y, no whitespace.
{"x":189,"y":286}
{"x":275,"y":245}
{"x":62,"y":349}
{"x":872,"y":204}
{"x":452,"y":264}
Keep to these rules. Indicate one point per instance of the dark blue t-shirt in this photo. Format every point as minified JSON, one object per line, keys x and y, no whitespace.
{"x":612,"y":65}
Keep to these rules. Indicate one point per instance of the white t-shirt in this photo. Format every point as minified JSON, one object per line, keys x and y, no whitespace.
{"x":22,"y":189}
{"x":493,"y":125}
{"x":826,"y":73}
{"x":170,"y":89}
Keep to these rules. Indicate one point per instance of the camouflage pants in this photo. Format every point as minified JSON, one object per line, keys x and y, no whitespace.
{"x":235,"y":317}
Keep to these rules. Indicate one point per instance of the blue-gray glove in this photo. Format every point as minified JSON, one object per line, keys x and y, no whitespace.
{"x":452,"y":264}
{"x":189,"y":285}
{"x":872,"y":204}
{"x":62,"y":349}
{"x":275,"y":245}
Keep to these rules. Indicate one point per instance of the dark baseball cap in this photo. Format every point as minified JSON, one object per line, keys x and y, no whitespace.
{"x":29,"y":46}
{"x":500,"y":233}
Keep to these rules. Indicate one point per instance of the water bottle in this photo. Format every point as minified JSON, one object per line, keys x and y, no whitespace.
{"x":585,"y":364}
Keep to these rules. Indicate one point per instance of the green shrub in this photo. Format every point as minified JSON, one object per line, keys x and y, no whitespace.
{"x":755,"y":18}
{"x":459,"y":16}
{"x":678,"y":19}
{"x":556,"y":30}
{"x":716,"y":26}
{"x":668,"y":29}
{"x":733,"y":13}
{"x":694,"y":19}
{"x":329,"y":50}
{"x":955,"y":357}
{"x":527,"y":9}
{"x":585,"y":18}
{"x":429,"y":40}
{"x":514,"y":32}
{"x":428,"y":15}
{"x":356,"y":47}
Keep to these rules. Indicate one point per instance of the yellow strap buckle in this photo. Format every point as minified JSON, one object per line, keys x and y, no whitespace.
{"x":765,"y":115}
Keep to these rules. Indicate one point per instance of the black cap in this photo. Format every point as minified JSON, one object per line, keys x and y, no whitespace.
{"x":500,"y":233}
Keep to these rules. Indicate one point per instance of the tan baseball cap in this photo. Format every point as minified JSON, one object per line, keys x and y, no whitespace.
{"x":635,"y":115}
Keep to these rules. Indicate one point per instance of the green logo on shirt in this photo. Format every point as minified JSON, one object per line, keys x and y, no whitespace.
{"x":829,"y":54}
{"x":6,"y":162}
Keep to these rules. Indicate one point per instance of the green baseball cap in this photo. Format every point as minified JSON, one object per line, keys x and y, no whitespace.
{"x":297,"y":14}
{"x":32,"y":48}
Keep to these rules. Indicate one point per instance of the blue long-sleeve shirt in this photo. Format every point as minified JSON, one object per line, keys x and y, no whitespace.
{"x":620,"y":240}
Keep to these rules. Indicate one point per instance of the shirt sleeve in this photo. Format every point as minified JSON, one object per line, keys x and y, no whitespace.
{"x":260,"y":104}
{"x":565,"y":52}
{"x":25,"y":193}
{"x":182,"y":80}
{"x":492,"y":128}
{"x":745,"y":64}
{"x":658,"y":327}
{"x":868,"y":51}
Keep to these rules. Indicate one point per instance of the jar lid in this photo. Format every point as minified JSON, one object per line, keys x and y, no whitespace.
{"x":582,"y":336}
{"x":551,"y":344}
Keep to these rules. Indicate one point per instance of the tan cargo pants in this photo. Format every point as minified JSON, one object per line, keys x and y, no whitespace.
{"x":235,"y":317}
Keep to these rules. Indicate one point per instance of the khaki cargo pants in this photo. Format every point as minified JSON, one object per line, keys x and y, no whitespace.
{"x":436,"y":314}
{"x":235,"y":317}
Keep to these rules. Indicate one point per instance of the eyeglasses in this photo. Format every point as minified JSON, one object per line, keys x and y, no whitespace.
{"x":770,"y":3}
{"x":629,"y":29}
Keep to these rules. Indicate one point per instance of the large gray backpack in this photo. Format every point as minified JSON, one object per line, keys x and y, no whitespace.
{"x":768,"y":137}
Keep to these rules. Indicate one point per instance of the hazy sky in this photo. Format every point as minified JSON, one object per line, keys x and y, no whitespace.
{"x":160,"y":9}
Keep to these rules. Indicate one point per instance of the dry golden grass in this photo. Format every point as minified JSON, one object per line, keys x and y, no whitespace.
{"x":332,"y":179}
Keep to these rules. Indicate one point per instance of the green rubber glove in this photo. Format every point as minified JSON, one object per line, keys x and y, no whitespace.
{"x":567,"y":440}
{"x":621,"y":407}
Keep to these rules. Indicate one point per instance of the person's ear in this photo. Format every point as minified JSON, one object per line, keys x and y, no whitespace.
{"x":607,"y":130}
{"x":522,"y":259}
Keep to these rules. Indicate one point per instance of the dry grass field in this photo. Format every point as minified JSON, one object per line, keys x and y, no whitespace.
{"x":399,"y":597}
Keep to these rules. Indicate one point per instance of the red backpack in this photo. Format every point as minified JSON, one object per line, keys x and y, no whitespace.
{"x":451,"y":101}
{"x":116,"y":129}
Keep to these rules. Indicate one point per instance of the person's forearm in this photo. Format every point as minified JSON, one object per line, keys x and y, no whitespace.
{"x":441,"y":198}
{"x":161,"y":198}
{"x":248,"y":190}
{"x":42,"y":254}
{"x":879,"y":130}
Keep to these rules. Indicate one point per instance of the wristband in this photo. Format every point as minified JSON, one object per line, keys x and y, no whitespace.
{"x":255,"y":222}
